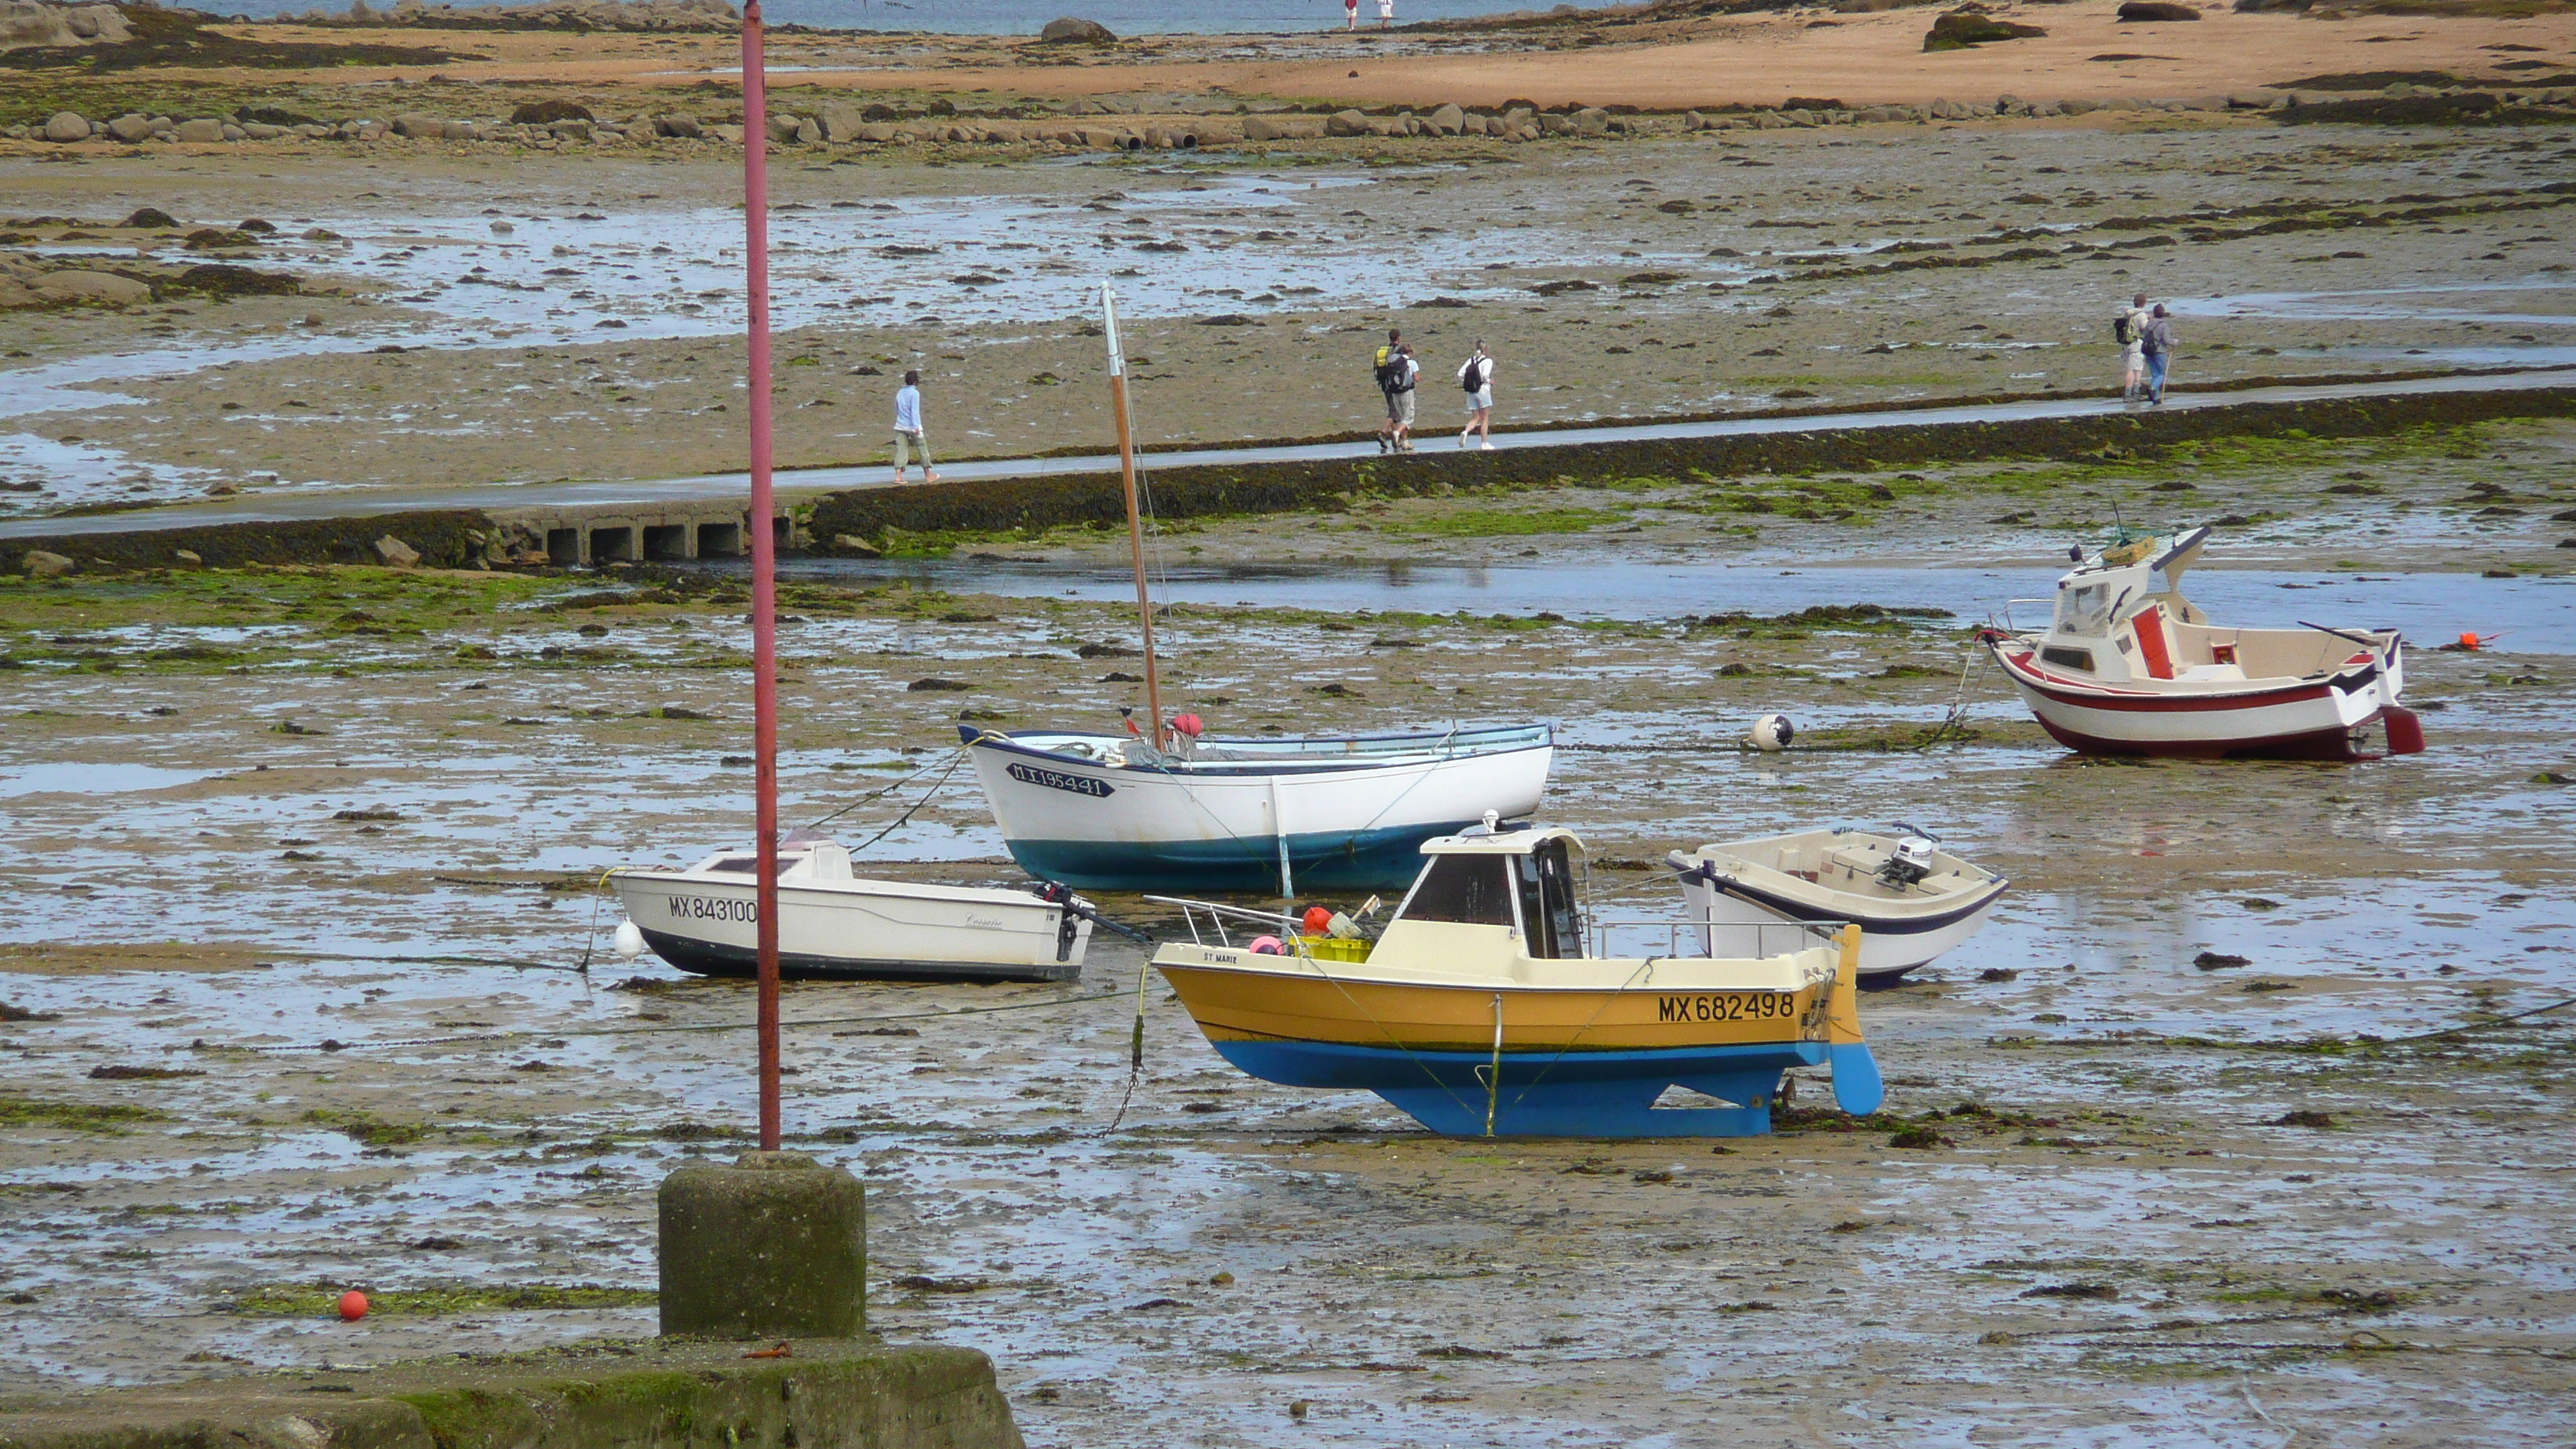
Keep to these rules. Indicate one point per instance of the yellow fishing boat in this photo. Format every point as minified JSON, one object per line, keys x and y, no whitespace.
{"x":1491,"y":1006}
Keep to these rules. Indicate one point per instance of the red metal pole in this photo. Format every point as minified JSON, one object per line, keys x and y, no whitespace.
{"x":764,"y":559}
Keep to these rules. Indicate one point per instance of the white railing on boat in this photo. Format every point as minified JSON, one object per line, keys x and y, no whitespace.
{"x":1264,"y":923}
{"x":2013,"y":627}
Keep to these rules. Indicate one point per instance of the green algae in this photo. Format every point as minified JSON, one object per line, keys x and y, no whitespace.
{"x":18,"y":1111}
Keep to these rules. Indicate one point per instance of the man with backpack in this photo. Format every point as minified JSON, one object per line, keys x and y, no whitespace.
{"x":2130,"y":331}
{"x":1397,"y":374}
{"x":1476,"y":375}
{"x":2158,"y":344}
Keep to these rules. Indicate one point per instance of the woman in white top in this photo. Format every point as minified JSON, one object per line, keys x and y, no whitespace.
{"x":1476,"y":375}
{"x":908,"y":429}
{"x":2133,"y":351}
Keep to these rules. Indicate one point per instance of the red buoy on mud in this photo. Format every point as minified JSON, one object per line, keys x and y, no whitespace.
{"x":353,"y":1305}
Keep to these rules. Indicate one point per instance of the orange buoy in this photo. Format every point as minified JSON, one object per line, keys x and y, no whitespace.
{"x":2469,"y":642}
{"x":1317,"y":920}
{"x":353,"y":1306}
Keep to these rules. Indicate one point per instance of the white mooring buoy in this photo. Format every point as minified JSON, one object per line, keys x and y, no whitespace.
{"x":629,"y":940}
{"x":1771,"y":732}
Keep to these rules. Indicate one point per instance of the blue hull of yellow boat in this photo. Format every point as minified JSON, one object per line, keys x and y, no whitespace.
{"x":1566,"y":1094}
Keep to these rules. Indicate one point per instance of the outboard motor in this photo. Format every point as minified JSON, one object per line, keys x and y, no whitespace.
{"x":1908,"y":864}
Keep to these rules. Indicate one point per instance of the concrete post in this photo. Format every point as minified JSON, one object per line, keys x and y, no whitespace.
{"x":773,"y":1246}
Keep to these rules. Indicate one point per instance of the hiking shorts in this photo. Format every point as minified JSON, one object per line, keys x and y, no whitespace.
{"x":1399,"y":408}
{"x":920,"y":443}
{"x":1480,"y":400}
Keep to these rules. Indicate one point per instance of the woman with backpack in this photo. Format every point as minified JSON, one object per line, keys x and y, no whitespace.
{"x":1476,"y":375}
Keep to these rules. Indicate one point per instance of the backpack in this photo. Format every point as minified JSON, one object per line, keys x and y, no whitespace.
{"x":1474,"y":377}
{"x":2154,"y":341}
{"x":1390,"y":370}
{"x":2120,"y":329}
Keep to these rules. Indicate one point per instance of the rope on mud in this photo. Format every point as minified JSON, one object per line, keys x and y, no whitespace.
{"x":927,"y":796}
{"x":1958,"y":701}
{"x":951,"y":760}
{"x":2477,"y":1025}
{"x":333,"y":1045}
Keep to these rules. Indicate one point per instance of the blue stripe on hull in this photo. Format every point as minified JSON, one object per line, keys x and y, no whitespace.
{"x":1544,"y":1094}
{"x":1370,"y":860}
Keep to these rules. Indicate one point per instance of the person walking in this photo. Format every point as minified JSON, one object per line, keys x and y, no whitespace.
{"x":2159,"y":346}
{"x":2131,"y":333}
{"x":1385,"y":14}
{"x":1398,"y":374}
{"x":1395,"y":371}
{"x":907,"y":427}
{"x":1476,"y":375}
{"x":1350,"y":14}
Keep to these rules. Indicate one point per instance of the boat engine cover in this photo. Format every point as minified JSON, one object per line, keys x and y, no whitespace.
{"x":1909,"y":863}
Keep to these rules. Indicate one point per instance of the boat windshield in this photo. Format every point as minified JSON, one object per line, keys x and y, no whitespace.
{"x":1546,"y":880}
{"x":2084,"y":609}
{"x":1473,"y":889}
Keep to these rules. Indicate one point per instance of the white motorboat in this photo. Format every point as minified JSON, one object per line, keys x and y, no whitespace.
{"x":2127,"y":666}
{"x":1105,"y":812}
{"x":1911,"y":899}
{"x":1160,"y":808}
{"x":834,"y":926}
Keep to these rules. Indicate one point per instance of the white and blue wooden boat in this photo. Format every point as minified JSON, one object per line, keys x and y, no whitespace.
{"x":1109,"y":812}
{"x":1162,"y":809}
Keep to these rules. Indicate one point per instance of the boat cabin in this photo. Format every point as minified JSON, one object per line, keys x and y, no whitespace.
{"x":2120,"y":617}
{"x":1516,"y":887}
{"x":797,"y":860}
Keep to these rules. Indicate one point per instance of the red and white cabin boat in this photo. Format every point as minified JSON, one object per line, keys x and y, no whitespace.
{"x":2127,"y":666}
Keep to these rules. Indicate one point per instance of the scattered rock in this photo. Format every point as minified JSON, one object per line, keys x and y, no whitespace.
{"x":2091,"y":1292}
{"x":1998,"y":973}
{"x":1960,"y":29}
{"x":936,"y":686}
{"x":66,"y":126}
{"x":546,"y":113}
{"x":151,"y":218}
{"x":395,"y":553}
{"x":923,"y":1283}
{"x":2302,"y":1118}
{"x":83,"y":286}
{"x":44,"y":563}
{"x":1073,"y":30}
{"x":2218,"y":961}
{"x":2150,"y":10}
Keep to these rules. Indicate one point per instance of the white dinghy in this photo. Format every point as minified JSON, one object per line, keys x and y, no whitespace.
{"x":834,"y":926}
{"x":1911,"y":899}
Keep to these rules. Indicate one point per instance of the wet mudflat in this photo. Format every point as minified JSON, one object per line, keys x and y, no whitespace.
{"x":576,"y":317}
{"x":336,"y":833}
